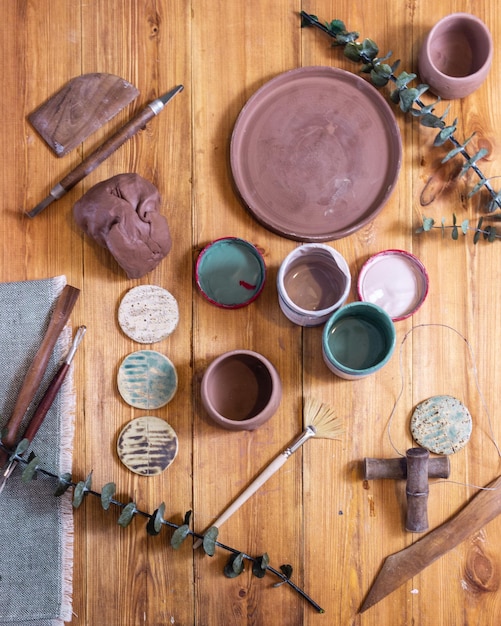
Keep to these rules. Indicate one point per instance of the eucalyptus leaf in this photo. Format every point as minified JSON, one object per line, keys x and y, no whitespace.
{"x":21,"y":448}
{"x":235,"y":565}
{"x":473,"y":160}
{"x":107,"y":493}
{"x":179,"y":535}
{"x":210,"y":539}
{"x":444,"y":135}
{"x":30,"y":470}
{"x":465,"y":224}
{"x":353,"y":51}
{"x":156,"y":520}
{"x":63,"y":484}
{"x":127,"y":514}
{"x":78,"y":494}
{"x":260,"y":565}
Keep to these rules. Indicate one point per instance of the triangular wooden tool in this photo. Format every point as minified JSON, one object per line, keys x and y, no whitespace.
{"x":82,"y":106}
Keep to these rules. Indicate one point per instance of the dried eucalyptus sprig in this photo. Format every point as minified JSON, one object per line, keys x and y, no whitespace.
{"x":407,"y":97}
{"x":489,"y":233}
{"x":234,"y":566}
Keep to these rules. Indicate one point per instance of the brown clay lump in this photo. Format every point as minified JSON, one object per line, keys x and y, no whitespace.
{"x":122,"y":215}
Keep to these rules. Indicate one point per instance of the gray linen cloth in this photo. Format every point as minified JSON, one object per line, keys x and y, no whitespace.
{"x":36,"y":528}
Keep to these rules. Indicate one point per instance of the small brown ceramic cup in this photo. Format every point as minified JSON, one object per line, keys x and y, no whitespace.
{"x":456,"y":56}
{"x":241,"y":390}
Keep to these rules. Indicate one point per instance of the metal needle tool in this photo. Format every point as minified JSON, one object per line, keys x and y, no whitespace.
{"x":47,"y":400}
{"x":99,"y":155}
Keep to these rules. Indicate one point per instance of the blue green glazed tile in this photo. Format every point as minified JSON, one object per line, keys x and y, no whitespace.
{"x":441,"y":424}
{"x":147,"y":379}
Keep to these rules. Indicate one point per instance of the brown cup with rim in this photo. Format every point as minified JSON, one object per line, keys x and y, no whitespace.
{"x":456,"y":55}
{"x":241,"y":390}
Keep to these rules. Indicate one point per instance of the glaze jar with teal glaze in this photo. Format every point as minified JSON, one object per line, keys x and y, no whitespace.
{"x":230,"y":272}
{"x":358,"y":340}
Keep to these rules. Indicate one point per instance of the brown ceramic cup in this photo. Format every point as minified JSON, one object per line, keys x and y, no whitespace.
{"x":241,"y":390}
{"x":456,"y":56}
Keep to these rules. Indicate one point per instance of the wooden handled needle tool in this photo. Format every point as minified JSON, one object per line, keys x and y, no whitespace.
{"x":99,"y":155}
{"x":47,"y":400}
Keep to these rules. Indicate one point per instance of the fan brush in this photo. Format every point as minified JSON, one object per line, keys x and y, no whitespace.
{"x":320,"y":421}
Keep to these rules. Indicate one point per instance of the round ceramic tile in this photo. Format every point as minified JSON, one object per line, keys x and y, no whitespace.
{"x":147,"y":379}
{"x":148,"y":314}
{"x":147,"y":445}
{"x":441,"y":424}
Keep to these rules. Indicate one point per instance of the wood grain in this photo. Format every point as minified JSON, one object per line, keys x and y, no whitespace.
{"x":317,"y":513}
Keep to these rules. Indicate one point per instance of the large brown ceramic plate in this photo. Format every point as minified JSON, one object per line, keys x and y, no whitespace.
{"x":315,"y":153}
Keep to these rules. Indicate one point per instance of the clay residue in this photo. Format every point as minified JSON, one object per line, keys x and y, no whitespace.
{"x":122,"y":215}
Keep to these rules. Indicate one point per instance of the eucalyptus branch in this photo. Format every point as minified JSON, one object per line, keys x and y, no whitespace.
{"x":489,"y":233}
{"x":81,"y":489}
{"x":408,"y":98}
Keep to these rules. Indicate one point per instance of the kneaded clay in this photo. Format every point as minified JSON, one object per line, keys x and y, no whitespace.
{"x":122,"y":215}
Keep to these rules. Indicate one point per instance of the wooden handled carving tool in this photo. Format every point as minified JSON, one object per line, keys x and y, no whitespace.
{"x":320,"y":422}
{"x":94,"y":159}
{"x":47,"y":400}
{"x":400,"y":567}
{"x":35,"y":373}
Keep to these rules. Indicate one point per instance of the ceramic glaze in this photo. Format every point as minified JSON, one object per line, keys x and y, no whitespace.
{"x":230,"y":272}
{"x":396,"y":281}
{"x":312,"y":282}
{"x":358,"y":340}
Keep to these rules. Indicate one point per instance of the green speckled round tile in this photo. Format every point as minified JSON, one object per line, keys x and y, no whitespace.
{"x":147,"y":379}
{"x":147,"y":445}
{"x":441,"y":424}
{"x":148,"y":314}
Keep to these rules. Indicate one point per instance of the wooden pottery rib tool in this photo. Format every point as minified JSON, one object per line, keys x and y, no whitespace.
{"x":36,"y":371}
{"x":47,"y":400}
{"x":400,"y":567}
{"x":79,"y":108}
{"x":320,"y":422}
{"x":99,"y":155}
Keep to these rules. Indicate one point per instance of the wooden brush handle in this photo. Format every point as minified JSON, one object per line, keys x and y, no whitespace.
{"x":36,"y":371}
{"x":271,"y":469}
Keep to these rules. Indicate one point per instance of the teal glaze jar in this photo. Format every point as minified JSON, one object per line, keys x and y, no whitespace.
{"x":358,"y":340}
{"x":230,"y":272}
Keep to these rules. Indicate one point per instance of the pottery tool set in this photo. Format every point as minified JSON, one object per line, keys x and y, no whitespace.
{"x":36,"y":371}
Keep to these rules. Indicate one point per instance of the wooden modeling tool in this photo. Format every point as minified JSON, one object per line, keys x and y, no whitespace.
{"x":47,"y":400}
{"x":36,"y":371}
{"x":320,"y":422}
{"x":400,"y":567}
{"x":94,"y":159}
{"x":79,"y":108}
{"x":417,"y":468}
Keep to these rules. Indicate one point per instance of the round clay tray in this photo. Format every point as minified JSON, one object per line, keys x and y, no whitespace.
{"x":315,"y":153}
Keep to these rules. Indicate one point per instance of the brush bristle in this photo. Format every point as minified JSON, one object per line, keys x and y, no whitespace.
{"x":323,"y":419}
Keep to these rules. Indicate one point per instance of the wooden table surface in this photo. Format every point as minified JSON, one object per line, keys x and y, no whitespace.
{"x":317,"y":514}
